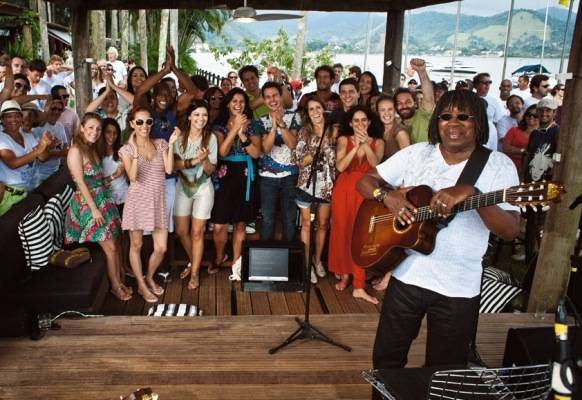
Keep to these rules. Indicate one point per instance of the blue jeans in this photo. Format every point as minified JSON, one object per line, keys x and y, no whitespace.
{"x":282,"y":189}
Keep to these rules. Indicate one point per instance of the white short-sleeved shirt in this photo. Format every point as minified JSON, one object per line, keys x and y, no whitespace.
{"x":42,"y":87}
{"x":504,"y":125}
{"x":495,"y":111}
{"x":454,"y":267}
{"x":50,"y":166}
{"x":24,"y":176}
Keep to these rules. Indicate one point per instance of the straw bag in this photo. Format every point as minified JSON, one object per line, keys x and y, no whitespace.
{"x":70,"y":258}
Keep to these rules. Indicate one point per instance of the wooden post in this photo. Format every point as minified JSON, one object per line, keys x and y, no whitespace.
{"x":143,"y":39}
{"x":44,"y":42}
{"x":393,"y":49}
{"x":553,"y":266}
{"x":163,"y":38}
{"x":80,"y":31}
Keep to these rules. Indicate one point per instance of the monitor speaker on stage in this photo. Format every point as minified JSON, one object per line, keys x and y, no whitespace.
{"x":273,"y":266}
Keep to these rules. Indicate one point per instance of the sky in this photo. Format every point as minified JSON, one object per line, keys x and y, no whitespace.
{"x":492,"y":7}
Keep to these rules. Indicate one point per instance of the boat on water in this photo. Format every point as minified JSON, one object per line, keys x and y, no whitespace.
{"x":460,"y":70}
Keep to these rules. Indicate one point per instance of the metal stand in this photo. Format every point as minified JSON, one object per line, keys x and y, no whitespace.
{"x":306,"y":330}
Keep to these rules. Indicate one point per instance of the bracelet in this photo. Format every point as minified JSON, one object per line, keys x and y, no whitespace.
{"x":245,"y":144}
{"x":379,"y":194}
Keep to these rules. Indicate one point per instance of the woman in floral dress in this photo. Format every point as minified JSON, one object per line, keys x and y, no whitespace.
{"x":92,"y":215}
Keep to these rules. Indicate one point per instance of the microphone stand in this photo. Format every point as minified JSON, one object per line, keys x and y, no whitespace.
{"x":306,"y":330}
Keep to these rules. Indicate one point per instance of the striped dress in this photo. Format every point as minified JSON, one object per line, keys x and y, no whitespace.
{"x":145,"y":203}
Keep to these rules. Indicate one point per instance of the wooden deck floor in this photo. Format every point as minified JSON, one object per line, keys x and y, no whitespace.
{"x":209,"y":357}
{"x":219,"y":296}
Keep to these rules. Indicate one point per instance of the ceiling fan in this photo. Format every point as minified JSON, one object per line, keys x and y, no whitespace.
{"x":248,"y":14}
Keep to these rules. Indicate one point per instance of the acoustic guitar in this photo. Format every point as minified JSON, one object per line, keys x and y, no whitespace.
{"x":379,"y":240}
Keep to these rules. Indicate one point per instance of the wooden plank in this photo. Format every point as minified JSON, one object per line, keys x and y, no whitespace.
{"x":172,"y":291}
{"x":189,"y":296}
{"x":243,"y":301}
{"x":135,"y":306}
{"x":277,"y":303}
{"x":207,"y":294}
{"x":347,"y":301}
{"x":223,"y":293}
{"x":314,"y":304}
{"x":295,"y":303}
{"x":260,"y":303}
{"x":326,"y":286}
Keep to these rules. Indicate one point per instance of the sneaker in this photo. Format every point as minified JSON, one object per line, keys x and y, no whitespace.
{"x":210,"y":227}
{"x":236,"y":267}
{"x":319,"y":269}
{"x":313,"y":276}
{"x":230,"y":228}
{"x":250,"y":229}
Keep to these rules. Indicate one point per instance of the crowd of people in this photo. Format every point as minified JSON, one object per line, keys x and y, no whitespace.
{"x":162,"y":153}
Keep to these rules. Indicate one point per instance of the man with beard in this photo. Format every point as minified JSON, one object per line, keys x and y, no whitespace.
{"x":416,"y":119}
{"x":278,"y":170}
{"x":324,"y":77}
{"x":337,"y":70}
{"x":515,"y":108}
{"x":349,"y":95}
{"x":539,"y":88}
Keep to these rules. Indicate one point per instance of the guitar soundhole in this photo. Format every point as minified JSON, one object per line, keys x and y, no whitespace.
{"x":398,"y":227}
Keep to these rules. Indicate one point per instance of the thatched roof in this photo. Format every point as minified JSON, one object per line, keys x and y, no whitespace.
{"x":309,"y":5}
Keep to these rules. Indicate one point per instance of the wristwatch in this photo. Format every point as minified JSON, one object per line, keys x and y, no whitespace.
{"x":379,"y":194}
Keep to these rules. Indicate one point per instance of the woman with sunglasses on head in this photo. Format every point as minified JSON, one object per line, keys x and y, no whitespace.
{"x":315,"y":140}
{"x":97,"y":80}
{"x":357,"y":152}
{"x":234,"y":202}
{"x":515,"y":142}
{"x":195,"y":160}
{"x":146,"y":162}
{"x":213,"y":97}
{"x":92,"y":215}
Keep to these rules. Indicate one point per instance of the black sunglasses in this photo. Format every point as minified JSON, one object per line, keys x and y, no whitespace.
{"x":529,"y":115}
{"x":232,"y":77}
{"x":65,"y":96}
{"x":486,"y":82}
{"x":148,"y":121}
{"x":18,"y":85}
{"x":460,"y":117}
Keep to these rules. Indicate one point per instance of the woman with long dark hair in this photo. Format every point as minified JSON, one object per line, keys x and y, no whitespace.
{"x":195,"y":160}
{"x":213,"y":97}
{"x":92,"y":215}
{"x":514,"y":144}
{"x":238,"y":146}
{"x":358,"y":151}
{"x":315,"y":142}
{"x":368,"y":85}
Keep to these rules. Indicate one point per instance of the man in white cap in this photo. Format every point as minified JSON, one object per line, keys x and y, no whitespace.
{"x":19,"y":151}
{"x":119,"y":71}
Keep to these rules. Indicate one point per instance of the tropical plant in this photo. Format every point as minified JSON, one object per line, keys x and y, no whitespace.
{"x":276,"y":51}
{"x":193,"y":27}
{"x":17,"y":45}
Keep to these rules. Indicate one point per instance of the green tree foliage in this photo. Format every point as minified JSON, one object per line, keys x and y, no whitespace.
{"x":16,"y":47}
{"x":277,"y":51}
{"x":193,"y":25}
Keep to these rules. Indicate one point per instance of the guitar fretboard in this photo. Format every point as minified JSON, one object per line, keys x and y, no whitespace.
{"x":470,"y":203}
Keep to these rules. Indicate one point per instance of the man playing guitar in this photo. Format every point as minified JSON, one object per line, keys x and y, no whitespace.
{"x":445,"y":284}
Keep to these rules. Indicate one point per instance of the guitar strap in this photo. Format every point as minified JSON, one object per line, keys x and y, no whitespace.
{"x":470,"y":173}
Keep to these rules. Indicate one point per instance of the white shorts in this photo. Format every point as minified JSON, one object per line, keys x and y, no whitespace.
{"x":198,"y":206}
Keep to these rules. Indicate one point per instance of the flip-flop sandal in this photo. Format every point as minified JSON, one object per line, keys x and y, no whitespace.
{"x":187,"y":271}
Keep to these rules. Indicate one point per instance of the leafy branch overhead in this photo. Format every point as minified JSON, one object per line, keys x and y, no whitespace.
{"x":277,"y":51}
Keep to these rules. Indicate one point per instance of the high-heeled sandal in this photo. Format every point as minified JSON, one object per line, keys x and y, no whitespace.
{"x":187,"y":271}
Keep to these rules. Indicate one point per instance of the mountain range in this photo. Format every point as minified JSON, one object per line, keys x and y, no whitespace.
{"x":429,"y":32}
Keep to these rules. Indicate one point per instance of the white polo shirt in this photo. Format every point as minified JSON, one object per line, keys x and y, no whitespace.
{"x":454,"y":267}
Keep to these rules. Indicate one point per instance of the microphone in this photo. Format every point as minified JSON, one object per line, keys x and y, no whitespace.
{"x":562,"y":382}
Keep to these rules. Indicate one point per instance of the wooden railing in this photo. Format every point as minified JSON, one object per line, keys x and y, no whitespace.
{"x":213,"y":79}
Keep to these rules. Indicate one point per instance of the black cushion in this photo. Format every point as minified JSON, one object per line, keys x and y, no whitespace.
{"x":55,"y":183}
{"x":54,"y":289}
{"x":13,"y":266}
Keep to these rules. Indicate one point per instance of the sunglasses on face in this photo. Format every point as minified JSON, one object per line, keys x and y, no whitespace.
{"x":65,"y":96}
{"x":459,"y":117}
{"x":232,"y":77}
{"x":485,"y":82}
{"x":148,"y":121}
{"x":531,"y":116}
{"x":216,"y":97}
{"x":18,"y":85}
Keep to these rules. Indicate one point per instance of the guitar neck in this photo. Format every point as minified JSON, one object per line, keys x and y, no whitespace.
{"x":470,"y":203}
